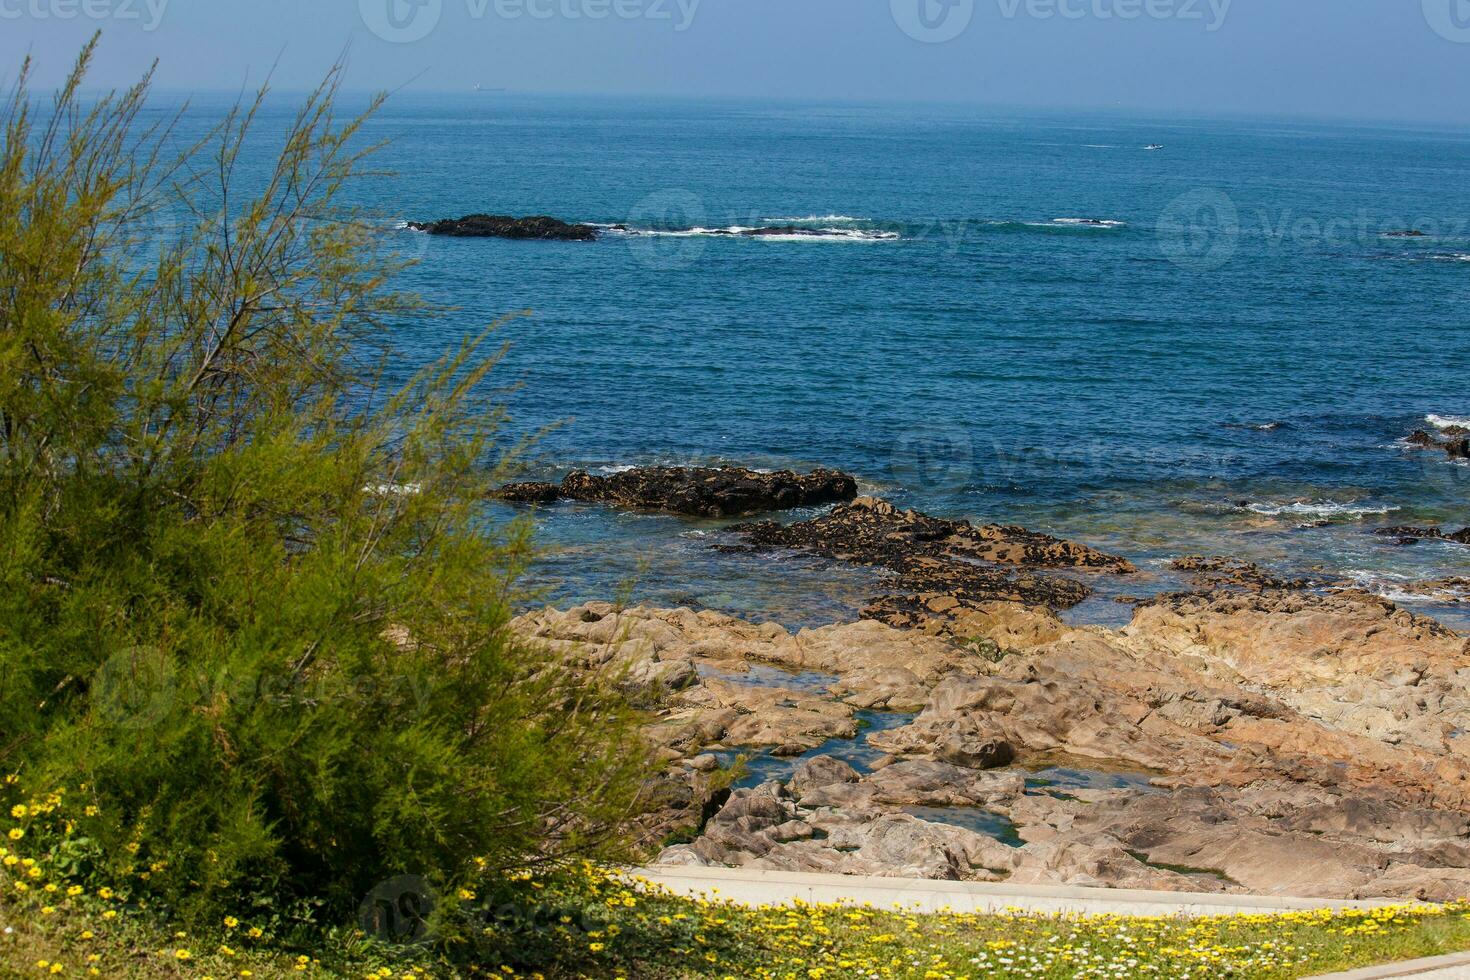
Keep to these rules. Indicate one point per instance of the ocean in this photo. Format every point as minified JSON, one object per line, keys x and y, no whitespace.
{"x":1161,"y":336}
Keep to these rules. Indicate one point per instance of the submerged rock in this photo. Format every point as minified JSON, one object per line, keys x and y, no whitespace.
{"x":694,"y":491}
{"x":540,"y":227}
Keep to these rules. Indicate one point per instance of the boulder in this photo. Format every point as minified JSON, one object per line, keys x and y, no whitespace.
{"x":822,"y":770}
{"x":972,"y":752}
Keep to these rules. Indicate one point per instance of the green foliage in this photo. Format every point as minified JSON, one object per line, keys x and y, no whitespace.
{"x":249,"y":602}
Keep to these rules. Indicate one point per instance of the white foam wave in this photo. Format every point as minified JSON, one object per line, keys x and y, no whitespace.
{"x":1324,"y":509}
{"x":1097,"y":223}
{"x":1448,"y":421}
{"x":1089,"y":222}
{"x":816,"y":218}
{"x":1401,"y":588}
{"x":405,"y":226}
{"x":1451,"y":257}
{"x":740,"y":231}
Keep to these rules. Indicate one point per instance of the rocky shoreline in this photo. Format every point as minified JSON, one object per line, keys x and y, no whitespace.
{"x":1274,"y":742}
{"x":1257,"y":734}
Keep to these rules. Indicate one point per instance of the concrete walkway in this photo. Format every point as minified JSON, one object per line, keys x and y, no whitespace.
{"x":760,"y":888}
{"x":1455,"y":966}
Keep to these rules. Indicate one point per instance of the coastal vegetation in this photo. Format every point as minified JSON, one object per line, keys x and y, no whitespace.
{"x":253,"y":646}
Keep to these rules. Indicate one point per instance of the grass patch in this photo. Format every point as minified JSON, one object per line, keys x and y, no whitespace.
{"x":595,"y":925}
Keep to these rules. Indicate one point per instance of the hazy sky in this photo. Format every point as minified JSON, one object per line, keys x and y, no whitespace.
{"x":1377,"y":59}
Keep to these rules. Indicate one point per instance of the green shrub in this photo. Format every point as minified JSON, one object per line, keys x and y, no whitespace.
{"x":251,"y":607}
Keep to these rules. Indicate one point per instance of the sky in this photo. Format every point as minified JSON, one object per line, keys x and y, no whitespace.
{"x":1392,"y":60}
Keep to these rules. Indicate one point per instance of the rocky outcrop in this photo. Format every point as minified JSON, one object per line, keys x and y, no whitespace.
{"x":694,"y":491}
{"x":540,"y":228}
{"x":944,"y":567}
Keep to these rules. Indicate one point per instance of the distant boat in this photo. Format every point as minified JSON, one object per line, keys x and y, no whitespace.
{"x":1154,"y":146}
{"x":481,"y":88}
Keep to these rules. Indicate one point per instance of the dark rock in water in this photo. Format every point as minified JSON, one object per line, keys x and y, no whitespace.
{"x":1425,"y":534}
{"x":1456,"y":447}
{"x":943,"y":566}
{"x":540,"y":227}
{"x":530,"y":493}
{"x":1411,"y":233}
{"x":697,"y":492}
{"x":1422,"y":439}
{"x":708,"y":492}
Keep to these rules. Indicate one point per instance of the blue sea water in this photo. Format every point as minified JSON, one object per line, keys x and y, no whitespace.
{"x":1226,"y":365}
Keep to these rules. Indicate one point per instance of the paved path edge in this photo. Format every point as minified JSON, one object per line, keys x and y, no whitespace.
{"x":1407,"y":968}
{"x":751,"y":887}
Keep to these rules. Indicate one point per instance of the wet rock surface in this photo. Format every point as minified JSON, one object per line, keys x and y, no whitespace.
{"x":539,"y":227}
{"x":942,"y":567}
{"x":1425,"y":534}
{"x":1272,"y":741}
{"x":694,"y":491}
